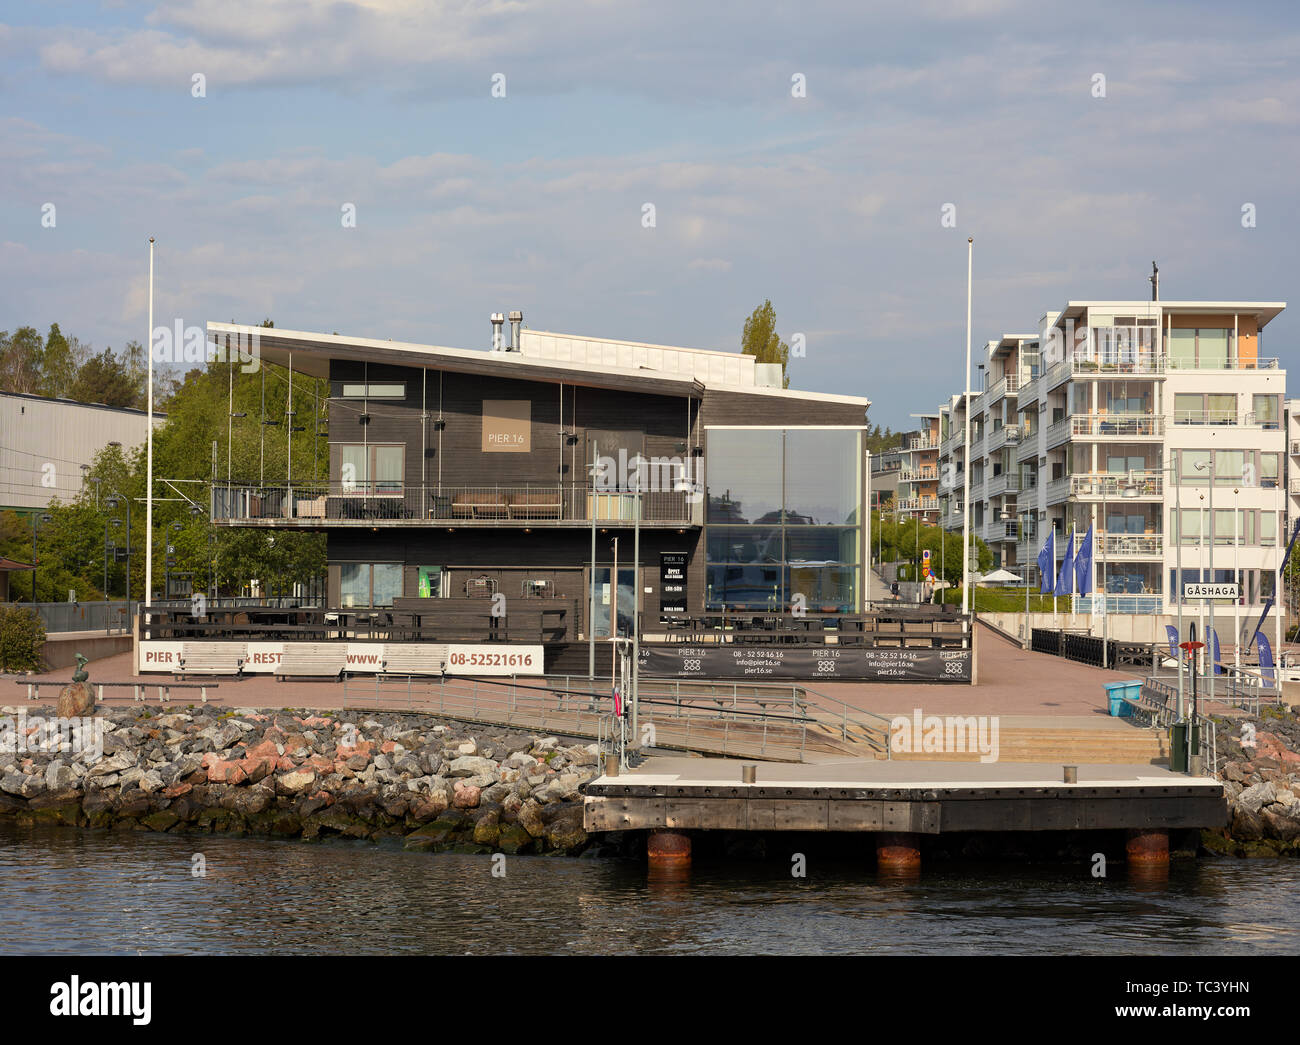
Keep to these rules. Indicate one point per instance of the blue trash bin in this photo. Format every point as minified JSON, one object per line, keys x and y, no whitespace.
{"x":1117,"y":691}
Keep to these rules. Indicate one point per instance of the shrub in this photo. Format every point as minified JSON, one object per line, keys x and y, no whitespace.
{"x":22,"y":633}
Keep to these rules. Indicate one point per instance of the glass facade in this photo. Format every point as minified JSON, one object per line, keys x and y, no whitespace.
{"x":784,"y":519}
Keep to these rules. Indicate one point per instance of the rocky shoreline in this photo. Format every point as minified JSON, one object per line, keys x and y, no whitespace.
{"x":435,"y":783}
{"x":1259,"y":764}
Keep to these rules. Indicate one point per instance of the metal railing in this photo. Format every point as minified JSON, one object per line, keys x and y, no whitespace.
{"x":1113,"y":485}
{"x":1125,"y":425}
{"x":365,"y":503}
{"x":1258,"y":363}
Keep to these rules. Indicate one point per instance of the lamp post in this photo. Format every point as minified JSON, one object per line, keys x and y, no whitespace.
{"x":1129,"y":491}
{"x":966,"y":490}
{"x":1211,"y":636}
{"x":114,"y":500}
{"x":36,"y":520}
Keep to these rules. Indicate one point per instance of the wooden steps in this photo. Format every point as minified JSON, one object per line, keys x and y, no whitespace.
{"x":1066,"y":746}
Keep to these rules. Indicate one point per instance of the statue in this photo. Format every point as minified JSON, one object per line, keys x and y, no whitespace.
{"x":78,"y":698}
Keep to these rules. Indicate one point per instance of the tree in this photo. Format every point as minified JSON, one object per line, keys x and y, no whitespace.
{"x":104,"y":379}
{"x":760,"y":340}
{"x":58,"y":368}
{"x":20,"y":360}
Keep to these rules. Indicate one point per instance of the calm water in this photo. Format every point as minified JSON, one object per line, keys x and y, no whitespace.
{"x":68,"y":891}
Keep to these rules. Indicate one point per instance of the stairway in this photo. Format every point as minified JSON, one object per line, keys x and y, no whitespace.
{"x":1064,"y":746}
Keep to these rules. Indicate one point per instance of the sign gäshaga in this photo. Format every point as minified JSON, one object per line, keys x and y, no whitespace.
{"x":807,"y":663}
{"x":1204,"y":590}
{"x":507,"y":426}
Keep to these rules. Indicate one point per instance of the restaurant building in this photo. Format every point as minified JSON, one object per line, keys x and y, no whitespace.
{"x":476,"y":482}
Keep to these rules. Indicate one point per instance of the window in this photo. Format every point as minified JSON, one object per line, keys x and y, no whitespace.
{"x":1188,"y":472}
{"x":388,"y":390}
{"x":1228,"y":467}
{"x":1193,"y":408}
{"x":1265,"y":409}
{"x":1200,"y":348}
{"x":372,"y":468}
{"x":1268,"y":528}
{"x":366,"y":584}
{"x":1268,"y":470}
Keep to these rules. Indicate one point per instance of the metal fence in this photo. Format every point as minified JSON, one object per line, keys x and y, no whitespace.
{"x":115,"y":615}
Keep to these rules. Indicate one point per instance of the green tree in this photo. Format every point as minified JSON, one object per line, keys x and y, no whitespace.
{"x":20,"y":360}
{"x":760,"y":340}
{"x":104,"y":379}
{"x":58,"y":368}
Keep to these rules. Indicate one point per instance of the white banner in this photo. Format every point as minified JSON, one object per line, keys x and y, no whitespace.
{"x":262,"y":658}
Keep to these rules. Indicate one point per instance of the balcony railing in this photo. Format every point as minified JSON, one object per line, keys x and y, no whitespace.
{"x":922,"y":442}
{"x":1261,"y":363}
{"x":1092,"y":364}
{"x":314,"y":504}
{"x":1006,"y":482}
{"x":923,"y":475}
{"x":1000,"y":530}
{"x":917,"y":504}
{"x":1112,"y":485}
{"x":1126,"y":426}
{"x":1125,"y":545}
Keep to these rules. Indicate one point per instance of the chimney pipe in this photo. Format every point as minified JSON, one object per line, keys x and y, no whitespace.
{"x":1155,"y":282}
{"x":516,"y":320}
{"x":498,"y":320}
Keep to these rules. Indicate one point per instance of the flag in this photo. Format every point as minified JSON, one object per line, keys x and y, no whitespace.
{"x":1267,"y":671}
{"x":1214,"y":646}
{"x":1083,"y":566}
{"x":1065,"y":579}
{"x":1047,"y":564}
{"x":1172,"y":632}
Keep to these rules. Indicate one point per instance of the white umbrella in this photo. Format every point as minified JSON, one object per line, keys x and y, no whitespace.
{"x":1000,"y":577}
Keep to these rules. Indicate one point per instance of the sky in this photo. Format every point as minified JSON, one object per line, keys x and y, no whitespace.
{"x":803,"y":153}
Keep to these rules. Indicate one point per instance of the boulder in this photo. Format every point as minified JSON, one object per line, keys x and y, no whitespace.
{"x":487,"y":828}
{"x":566,"y":831}
{"x":466,"y":796}
{"x":473,"y":766}
{"x":1257,"y":796}
{"x":294,"y":782}
{"x":530,"y":818}
{"x":76,"y":700}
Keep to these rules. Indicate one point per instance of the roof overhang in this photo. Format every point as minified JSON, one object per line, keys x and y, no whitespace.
{"x":310,"y":354}
{"x":1263,"y":311}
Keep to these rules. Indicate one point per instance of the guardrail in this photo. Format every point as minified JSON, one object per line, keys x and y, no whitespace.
{"x":308,"y":503}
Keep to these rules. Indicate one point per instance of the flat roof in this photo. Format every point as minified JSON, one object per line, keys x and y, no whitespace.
{"x":312,"y":351}
{"x":1264,"y":311}
{"x":65,"y":401}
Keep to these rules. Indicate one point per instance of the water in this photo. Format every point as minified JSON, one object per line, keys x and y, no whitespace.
{"x":66,"y":891}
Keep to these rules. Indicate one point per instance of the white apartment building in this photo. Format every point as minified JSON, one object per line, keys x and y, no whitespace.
{"x":912,"y":471}
{"x":1134,"y":417}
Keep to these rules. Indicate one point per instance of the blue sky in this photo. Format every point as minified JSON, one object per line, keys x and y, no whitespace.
{"x":829,"y":205}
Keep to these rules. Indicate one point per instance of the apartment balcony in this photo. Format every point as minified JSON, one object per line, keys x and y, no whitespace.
{"x":1124,"y":546}
{"x":1090,"y":365}
{"x":1058,"y":490}
{"x":1111,"y":486}
{"x":1227,"y":417}
{"x":1029,"y":392}
{"x":1027,"y":445}
{"x":1059,"y":432}
{"x":1294,"y":486}
{"x":922,"y":442}
{"x":999,"y":531}
{"x":327,"y":505}
{"x":1006,"y":482}
{"x":1115,"y":426}
{"x":1006,"y":386}
{"x":917,"y":504}
{"x":1006,"y":435}
{"x":1295,"y":447}
{"x":1261,"y":363}
{"x":915,"y":475}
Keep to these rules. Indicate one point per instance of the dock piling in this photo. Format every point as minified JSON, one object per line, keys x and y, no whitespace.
{"x":898,"y":852}
{"x":668,"y":850}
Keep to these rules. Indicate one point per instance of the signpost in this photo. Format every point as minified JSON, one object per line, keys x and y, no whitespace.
{"x":1206,"y":591}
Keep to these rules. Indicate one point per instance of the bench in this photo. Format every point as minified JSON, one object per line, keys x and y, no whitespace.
{"x":480,"y":506}
{"x":138,"y":689}
{"x":312,"y":660}
{"x":429,"y":659}
{"x":540,"y":505}
{"x":212,"y":658}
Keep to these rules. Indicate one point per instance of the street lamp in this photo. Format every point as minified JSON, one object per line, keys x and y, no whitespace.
{"x":36,"y":519}
{"x":1128,"y":491}
{"x":1201,"y":466}
{"x":114,"y":500}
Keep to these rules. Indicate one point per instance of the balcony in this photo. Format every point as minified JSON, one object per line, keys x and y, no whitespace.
{"x":1006,"y":482}
{"x":1000,"y":437}
{"x":1058,"y":432}
{"x":914,"y":475}
{"x":321,"y":505}
{"x":999,"y":530}
{"x":1116,"y":546}
{"x":1118,"y":426}
{"x":1088,"y":364}
{"x":1058,"y":490}
{"x":922,"y":442}
{"x":1111,"y":485}
{"x":1227,"y":417}
{"x":1006,"y":386}
{"x":1027,"y":445}
{"x":1261,"y":363}
{"x":917,"y":504}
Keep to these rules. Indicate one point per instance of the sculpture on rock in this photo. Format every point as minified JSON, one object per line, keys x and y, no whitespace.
{"x":77,"y":698}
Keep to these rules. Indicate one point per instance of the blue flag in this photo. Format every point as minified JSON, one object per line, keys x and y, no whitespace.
{"x":1266,"y":669}
{"x":1214,"y":646}
{"x":1047,"y":564}
{"x":1065,"y":579}
{"x":1083,"y":565}
{"x":1172,"y":632}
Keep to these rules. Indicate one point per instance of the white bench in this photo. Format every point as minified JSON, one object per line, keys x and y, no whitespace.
{"x":313,"y":660}
{"x":139,"y":690}
{"x":212,"y":658}
{"x":429,"y":659}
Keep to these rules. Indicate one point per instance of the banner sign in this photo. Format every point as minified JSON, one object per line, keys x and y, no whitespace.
{"x":262,"y":658}
{"x":807,"y":663}
{"x":672,"y":582}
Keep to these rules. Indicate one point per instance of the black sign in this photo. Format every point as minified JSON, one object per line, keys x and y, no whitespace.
{"x":806,"y":664}
{"x":119,"y":555}
{"x":672,"y":582}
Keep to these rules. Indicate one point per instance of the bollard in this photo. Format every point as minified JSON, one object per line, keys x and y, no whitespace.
{"x":668,"y":850}
{"x":1071,"y":774}
{"x":611,"y":765}
{"x":748,"y":774}
{"x":1197,"y":765}
{"x":1148,"y":847}
{"x":898,"y":853}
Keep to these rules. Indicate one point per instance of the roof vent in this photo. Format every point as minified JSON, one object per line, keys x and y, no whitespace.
{"x":516,"y":321}
{"x":498,"y":321}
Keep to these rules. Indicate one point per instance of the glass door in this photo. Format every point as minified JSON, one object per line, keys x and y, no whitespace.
{"x":626,"y":597}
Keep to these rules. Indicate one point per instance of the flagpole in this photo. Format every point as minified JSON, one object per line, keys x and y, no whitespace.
{"x":1055,"y":621}
{"x":965,"y":522}
{"x":148,"y":489}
